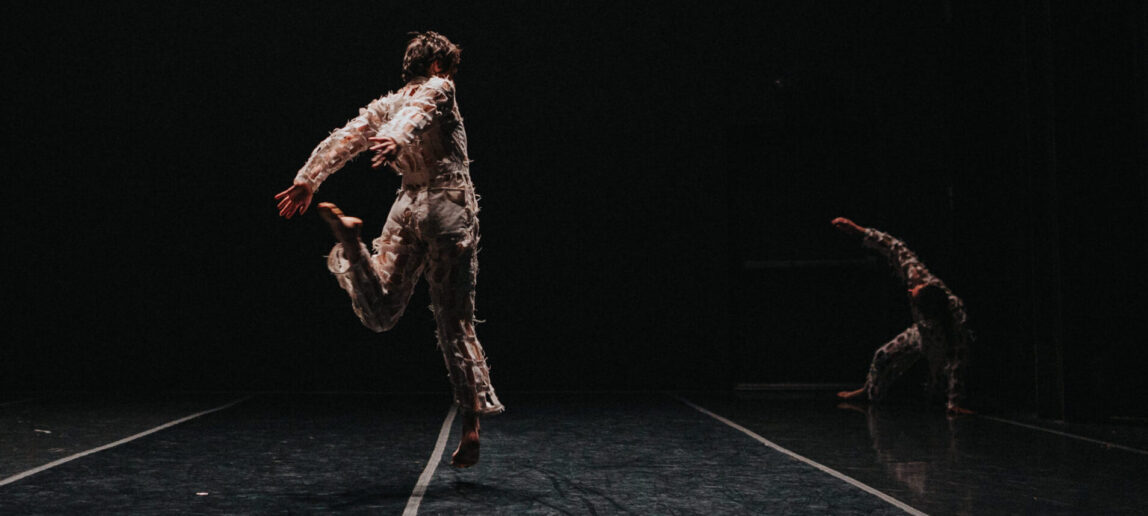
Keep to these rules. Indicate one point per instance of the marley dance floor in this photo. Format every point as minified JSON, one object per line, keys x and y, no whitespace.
{"x":550,"y":453}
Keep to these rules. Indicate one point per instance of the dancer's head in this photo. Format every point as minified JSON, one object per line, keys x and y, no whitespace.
{"x":931,"y":300}
{"x":430,"y":53}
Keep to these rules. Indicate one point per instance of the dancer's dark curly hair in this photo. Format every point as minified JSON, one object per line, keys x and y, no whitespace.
{"x":933,"y":302}
{"x":425,"y":48}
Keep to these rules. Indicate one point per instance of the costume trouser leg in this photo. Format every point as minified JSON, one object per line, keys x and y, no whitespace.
{"x":439,"y":231}
{"x":892,"y":360}
{"x":452,"y":267}
{"x":381,"y":284}
{"x":452,"y":235}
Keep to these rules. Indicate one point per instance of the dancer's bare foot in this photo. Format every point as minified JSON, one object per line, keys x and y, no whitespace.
{"x":955,"y":410}
{"x":346,"y":229}
{"x":849,"y":395}
{"x":468,"y":446}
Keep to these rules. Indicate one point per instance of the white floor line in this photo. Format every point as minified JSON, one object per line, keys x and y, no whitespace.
{"x":841,"y":476}
{"x":428,"y":472}
{"x":70,"y":458}
{"x":1066,"y":434}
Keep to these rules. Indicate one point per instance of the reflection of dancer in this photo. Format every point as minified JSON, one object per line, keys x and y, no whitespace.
{"x":938,"y":332}
{"x":432,"y":226}
{"x":917,"y":450}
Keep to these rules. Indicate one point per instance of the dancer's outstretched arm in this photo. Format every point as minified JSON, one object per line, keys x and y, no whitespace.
{"x":334,"y":152}
{"x":909,"y":268}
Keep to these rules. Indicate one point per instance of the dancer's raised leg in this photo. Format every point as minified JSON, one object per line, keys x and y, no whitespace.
{"x":380,"y":284}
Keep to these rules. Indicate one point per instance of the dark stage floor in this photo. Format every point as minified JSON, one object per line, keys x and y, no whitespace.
{"x":551,"y":453}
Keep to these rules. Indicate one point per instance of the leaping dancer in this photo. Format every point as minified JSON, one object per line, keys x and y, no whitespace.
{"x":432,"y":228}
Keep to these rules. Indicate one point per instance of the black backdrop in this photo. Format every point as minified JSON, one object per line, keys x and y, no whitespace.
{"x":631,"y":159}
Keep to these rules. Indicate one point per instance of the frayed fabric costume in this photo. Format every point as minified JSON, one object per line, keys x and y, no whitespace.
{"x":432,"y":228}
{"x":943,"y":345}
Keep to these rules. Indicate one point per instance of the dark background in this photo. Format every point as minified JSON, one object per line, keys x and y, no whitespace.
{"x":657,"y":182}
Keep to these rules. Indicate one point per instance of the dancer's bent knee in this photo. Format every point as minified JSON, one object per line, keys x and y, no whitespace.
{"x":372,"y":303}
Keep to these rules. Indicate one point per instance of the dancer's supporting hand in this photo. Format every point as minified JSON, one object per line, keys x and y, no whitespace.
{"x":385,"y":149}
{"x":847,"y":226}
{"x":294,"y":200}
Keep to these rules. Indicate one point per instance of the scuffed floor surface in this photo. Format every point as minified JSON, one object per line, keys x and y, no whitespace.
{"x":550,"y":453}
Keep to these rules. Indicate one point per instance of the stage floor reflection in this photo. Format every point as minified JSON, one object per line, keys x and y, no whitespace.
{"x":551,"y":453}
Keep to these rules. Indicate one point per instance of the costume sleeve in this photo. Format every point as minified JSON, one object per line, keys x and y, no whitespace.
{"x":956,"y":360}
{"x":346,"y":142}
{"x":423,"y":106}
{"x":909,"y":268}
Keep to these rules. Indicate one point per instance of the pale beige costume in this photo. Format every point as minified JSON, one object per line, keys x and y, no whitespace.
{"x":432,"y":227}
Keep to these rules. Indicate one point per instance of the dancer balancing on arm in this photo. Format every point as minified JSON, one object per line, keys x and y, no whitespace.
{"x":432,"y":229}
{"x":938,"y":334}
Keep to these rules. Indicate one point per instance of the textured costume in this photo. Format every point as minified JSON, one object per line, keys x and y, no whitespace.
{"x":944,"y":346}
{"x":432,"y":227}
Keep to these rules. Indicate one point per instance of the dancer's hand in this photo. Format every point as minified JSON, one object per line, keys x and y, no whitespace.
{"x":385,"y":149}
{"x":294,"y":200}
{"x":847,"y":226}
